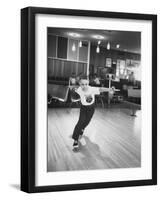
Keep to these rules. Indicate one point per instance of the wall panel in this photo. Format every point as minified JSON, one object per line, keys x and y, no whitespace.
{"x":51,"y":46}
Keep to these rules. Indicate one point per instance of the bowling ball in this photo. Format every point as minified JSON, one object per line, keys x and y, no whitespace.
{"x":88,"y":98}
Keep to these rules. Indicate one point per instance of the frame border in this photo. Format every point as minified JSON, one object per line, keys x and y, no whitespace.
{"x":28,"y":98}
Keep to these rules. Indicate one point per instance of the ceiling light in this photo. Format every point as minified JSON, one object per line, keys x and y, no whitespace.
{"x":74,"y":34}
{"x":99,"y":37}
{"x":108,"y":46}
{"x":97,"y":49}
{"x":80,"y":43}
{"x":73,"y":47}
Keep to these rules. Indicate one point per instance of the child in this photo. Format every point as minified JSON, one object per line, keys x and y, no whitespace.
{"x":87,"y":97}
{"x":96,"y":80}
{"x":72,"y":79}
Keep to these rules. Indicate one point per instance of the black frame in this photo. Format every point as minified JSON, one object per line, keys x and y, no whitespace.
{"x":28,"y":99}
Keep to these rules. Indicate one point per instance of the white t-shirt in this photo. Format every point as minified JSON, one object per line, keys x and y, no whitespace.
{"x":88,"y":97}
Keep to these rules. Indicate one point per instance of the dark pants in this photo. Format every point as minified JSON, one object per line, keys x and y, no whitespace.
{"x":86,"y":113}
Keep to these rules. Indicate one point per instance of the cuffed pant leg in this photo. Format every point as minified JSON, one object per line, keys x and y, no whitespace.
{"x":79,"y":126}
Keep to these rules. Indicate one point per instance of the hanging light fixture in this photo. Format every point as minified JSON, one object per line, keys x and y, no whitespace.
{"x":108,"y":46}
{"x":80,"y":43}
{"x":73,"y":47}
{"x":98,"y":49}
{"x":99,"y":42}
{"x":117,"y":46}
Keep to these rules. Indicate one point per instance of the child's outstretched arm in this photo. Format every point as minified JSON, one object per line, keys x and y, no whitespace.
{"x":103,"y":89}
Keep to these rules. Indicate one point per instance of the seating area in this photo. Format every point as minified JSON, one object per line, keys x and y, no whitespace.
{"x":57,"y":92}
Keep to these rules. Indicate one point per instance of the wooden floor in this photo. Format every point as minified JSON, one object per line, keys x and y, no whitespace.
{"x":111,"y":140}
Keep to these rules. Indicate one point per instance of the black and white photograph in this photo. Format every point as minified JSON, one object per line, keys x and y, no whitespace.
{"x":93,"y":99}
{"x":91,"y":105}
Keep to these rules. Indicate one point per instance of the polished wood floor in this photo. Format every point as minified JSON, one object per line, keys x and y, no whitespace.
{"x":111,"y":140}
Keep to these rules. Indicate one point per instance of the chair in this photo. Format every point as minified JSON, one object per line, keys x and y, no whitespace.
{"x":58,"y":92}
{"x":117,"y":97}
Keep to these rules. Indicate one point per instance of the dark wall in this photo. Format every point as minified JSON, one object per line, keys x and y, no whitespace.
{"x":63,"y":69}
{"x":58,"y":63}
{"x":62,"y":47}
{"x":51,"y":46}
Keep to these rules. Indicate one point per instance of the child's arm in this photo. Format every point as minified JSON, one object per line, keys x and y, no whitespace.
{"x":103,"y":89}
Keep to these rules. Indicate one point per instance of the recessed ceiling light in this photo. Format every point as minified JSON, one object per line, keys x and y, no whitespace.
{"x":74,"y":34}
{"x":98,"y":37}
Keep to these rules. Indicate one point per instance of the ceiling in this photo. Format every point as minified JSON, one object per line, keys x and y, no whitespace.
{"x":129,"y":41}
